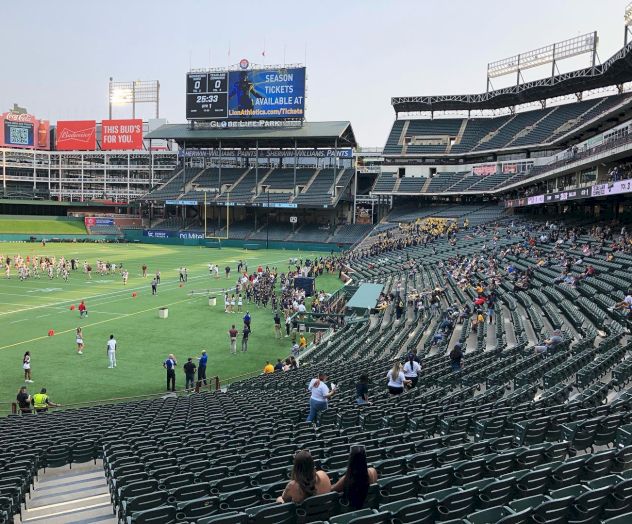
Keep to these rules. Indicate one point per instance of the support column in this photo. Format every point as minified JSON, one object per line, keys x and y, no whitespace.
{"x":355,"y":193}
{"x":4,"y":172}
{"x":128,"y":188}
{"x":256,"y":170}
{"x":82,"y":163}
{"x":295,"y":161}
{"x":219,"y":215}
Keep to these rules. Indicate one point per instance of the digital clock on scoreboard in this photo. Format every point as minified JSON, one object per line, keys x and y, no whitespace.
{"x":207,"y":95}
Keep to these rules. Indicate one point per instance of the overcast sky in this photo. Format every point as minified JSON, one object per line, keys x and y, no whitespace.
{"x":57,"y":56}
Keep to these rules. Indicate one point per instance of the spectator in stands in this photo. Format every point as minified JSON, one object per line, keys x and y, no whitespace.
{"x":411,"y":370}
{"x":396,"y":379}
{"x":306,"y":481}
{"x":232,"y":336}
{"x":625,"y":305}
{"x":456,"y":357}
{"x":202,"y":368}
{"x":399,"y":307}
{"x":189,"y":374}
{"x":491,"y":300}
{"x":320,"y":395}
{"x":302,"y":342}
{"x":41,"y":402}
{"x":268,"y":368}
{"x":354,"y":484}
{"x":362,"y":390}
{"x":24,"y":401}
{"x":26,"y":366}
{"x":550,"y":344}
{"x":293,"y":362}
{"x":170,"y":365}
{"x":279,"y":365}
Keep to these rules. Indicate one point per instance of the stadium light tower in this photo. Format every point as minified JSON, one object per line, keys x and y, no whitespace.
{"x":135,"y":92}
{"x":627,"y":17}
{"x":550,"y":54}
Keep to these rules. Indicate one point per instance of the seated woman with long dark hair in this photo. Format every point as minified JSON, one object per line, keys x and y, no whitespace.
{"x":306,"y":481}
{"x":354,"y":484}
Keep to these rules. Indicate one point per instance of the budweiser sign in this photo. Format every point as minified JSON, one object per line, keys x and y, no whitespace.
{"x":76,"y":135}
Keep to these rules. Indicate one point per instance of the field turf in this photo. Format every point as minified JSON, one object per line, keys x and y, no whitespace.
{"x":42,"y":227}
{"x":29,"y":309}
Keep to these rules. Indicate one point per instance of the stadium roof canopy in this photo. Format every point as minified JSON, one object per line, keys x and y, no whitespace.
{"x":615,"y":71}
{"x":311,"y":134}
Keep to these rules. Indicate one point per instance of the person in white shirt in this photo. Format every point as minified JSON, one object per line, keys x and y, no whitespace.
{"x":320,"y":394}
{"x":396,"y":379}
{"x":411,"y":370}
{"x":111,"y":347}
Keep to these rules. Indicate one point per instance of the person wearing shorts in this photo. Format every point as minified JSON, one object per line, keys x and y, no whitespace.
{"x":232,"y":335}
{"x":79,"y":340}
{"x":26,"y":366}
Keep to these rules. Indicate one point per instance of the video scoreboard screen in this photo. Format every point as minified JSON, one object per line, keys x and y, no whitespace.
{"x":258,"y":94}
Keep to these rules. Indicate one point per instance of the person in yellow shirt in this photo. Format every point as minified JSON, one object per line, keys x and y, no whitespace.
{"x":302,"y":342}
{"x":41,"y":402}
{"x":268,"y":368}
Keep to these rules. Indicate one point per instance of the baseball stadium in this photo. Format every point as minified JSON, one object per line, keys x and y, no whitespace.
{"x":246,"y":316}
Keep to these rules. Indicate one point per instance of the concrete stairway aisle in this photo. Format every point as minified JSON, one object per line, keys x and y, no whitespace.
{"x":71,"y":496}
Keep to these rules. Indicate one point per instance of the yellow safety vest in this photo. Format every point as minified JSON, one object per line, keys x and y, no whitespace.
{"x":40,"y":400}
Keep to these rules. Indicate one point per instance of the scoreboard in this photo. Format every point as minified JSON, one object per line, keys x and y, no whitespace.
{"x":207,"y":95}
{"x":257,"y":94}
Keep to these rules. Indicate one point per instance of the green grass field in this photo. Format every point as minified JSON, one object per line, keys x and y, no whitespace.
{"x":42,"y":227}
{"x":29,"y":309}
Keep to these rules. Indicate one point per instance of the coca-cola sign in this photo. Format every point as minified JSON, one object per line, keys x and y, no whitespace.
{"x":76,"y":135}
{"x":20,"y":117}
{"x":22,"y":130}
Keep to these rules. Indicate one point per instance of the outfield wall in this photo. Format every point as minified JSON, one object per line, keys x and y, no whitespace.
{"x":137,"y":235}
{"x":18,"y":237}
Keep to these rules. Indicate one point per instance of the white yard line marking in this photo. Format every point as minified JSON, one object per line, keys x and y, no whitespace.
{"x":89,"y":298}
{"x":106,"y":312}
{"x":153,"y":308}
{"x":16,"y":321}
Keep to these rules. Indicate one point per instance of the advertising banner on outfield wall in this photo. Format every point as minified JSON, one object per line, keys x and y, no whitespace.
{"x":98,"y":221}
{"x":159,"y":233}
{"x":24,"y":130}
{"x":122,"y":134}
{"x":76,"y":135}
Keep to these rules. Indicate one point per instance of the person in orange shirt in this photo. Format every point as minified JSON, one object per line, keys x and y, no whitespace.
{"x":268,"y":368}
